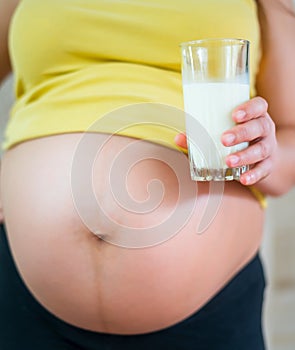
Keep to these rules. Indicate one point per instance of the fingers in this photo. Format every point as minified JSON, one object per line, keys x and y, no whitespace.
{"x":253,"y":154}
{"x":255,"y":126}
{"x":251,"y":109}
{"x":249,"y":131}
{"x":258,"y":173}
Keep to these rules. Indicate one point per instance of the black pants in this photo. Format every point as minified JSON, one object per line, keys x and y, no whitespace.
{"x":229,"y":321}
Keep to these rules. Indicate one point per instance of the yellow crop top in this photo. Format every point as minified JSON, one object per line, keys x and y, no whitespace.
{"x":76,"y":60}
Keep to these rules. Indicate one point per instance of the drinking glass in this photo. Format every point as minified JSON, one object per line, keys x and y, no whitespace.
{"x":215,"y":76}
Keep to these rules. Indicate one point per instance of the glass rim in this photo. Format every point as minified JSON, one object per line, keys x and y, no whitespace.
{"x":201,"y":42}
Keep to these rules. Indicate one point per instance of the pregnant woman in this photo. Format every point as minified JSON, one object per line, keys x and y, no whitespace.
{"x":70,"y":276}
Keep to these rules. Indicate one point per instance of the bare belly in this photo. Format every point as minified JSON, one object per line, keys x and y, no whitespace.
{"x":146,"y":267}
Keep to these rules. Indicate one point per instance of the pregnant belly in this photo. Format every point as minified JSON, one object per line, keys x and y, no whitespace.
{"x":106,"y":237}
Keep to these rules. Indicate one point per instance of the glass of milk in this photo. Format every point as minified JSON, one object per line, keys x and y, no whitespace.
{"x":215,"y":76}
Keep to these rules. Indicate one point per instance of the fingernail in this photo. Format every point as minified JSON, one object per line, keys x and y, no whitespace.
{"x":249,"y":179}
{"x":234,"y":160}
{"x":240,"y":115}
{"x":229,"y":138}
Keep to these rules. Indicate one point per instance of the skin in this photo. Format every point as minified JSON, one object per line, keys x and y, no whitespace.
{"x":104,"y":287}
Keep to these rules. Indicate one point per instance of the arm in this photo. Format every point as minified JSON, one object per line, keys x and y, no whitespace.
{"x":7,"y":8}
{"x":276,"y":83}
{"x":273,"y":156}
{"x":271,"y":152}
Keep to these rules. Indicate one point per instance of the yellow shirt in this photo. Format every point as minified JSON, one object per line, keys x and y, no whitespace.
{"x":77,"y":60}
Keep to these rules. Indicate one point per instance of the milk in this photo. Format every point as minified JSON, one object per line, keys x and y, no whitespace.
{"x":211,"y":104}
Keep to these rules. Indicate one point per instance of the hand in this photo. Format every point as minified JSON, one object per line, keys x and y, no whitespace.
{"x":255,"y":126}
